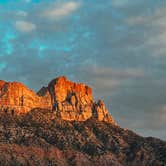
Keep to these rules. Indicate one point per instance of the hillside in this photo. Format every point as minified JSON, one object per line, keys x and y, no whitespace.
{"x":63,"y":125}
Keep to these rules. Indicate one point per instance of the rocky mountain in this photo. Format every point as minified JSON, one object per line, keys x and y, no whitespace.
{"x":69,"y":100}
{"x":63,"y":125}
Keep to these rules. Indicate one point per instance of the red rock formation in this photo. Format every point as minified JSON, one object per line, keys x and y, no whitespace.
{"x":68,"y":100}
{"x":101,"y":112}
{"x":72,"y":101}
{"x":14,"y":95}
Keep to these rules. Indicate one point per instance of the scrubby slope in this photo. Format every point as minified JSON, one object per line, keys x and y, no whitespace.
{"x":40,"y":138}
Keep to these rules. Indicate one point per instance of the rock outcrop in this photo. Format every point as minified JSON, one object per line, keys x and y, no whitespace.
{"x":16,"y":96}
{"x":68,"y":100}
{"x":63,"y":125}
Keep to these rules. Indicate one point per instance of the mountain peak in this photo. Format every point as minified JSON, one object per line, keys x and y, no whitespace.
{"x":62,"y":88}
{"x":66,"y":99}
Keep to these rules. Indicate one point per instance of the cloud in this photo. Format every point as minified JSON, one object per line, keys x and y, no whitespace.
{"x":153,"y":25}
{"x":155,"y":18}
{"x":60,"y":10}
{"x":21,"y":13}
{"x":25,"y":26}
{"x":120,"y":73}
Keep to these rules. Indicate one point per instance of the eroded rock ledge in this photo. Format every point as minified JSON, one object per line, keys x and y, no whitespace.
{"x":66,"y":99}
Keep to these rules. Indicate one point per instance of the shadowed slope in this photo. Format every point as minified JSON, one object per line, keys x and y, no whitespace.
{"x":40,"y":138}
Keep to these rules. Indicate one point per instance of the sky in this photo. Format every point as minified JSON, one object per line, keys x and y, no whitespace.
{"x":118,"y":47}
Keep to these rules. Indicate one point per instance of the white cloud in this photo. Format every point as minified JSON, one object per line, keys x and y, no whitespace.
{"x":22,"y":13}
{"x":155,"y":18}
{"x":60,"y":10}
{"x":25,"y":26}
{"x":128,"y":72}
{"x":154,"y":26}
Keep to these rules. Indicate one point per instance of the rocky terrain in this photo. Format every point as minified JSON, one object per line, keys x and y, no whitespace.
{"x":63,"y":125}
{"x":69,"y":100}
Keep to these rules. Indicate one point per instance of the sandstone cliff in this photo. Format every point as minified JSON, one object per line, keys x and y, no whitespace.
{"x":16,"y":96}
{"x":63,"y":125}
{"x":66,"y":99}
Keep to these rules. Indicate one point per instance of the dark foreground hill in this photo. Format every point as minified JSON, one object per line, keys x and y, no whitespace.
{"x":40,"y":138}
{"x":62,"y":125}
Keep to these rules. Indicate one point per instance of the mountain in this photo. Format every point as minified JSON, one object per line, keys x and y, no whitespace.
{"x":68,"y":100}
{"x":63,"y":125}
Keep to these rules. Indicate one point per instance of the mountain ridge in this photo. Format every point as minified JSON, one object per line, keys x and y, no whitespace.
{"x":70,"y":100}
{"x":62,"y":125}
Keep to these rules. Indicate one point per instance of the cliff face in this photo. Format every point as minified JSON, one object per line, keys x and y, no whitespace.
{"x":68,"y":100}
{"x":16,"y":96}
{"x":63,"y":125}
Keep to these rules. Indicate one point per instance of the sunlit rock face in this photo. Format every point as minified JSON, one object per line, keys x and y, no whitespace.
{"x":66,"y":99}
{"x":102,"y":113}
{"x":71,"y":101}
{"x":16,"y":96}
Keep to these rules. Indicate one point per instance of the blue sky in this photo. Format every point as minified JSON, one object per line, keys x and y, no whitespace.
{"x":118,"y":47}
